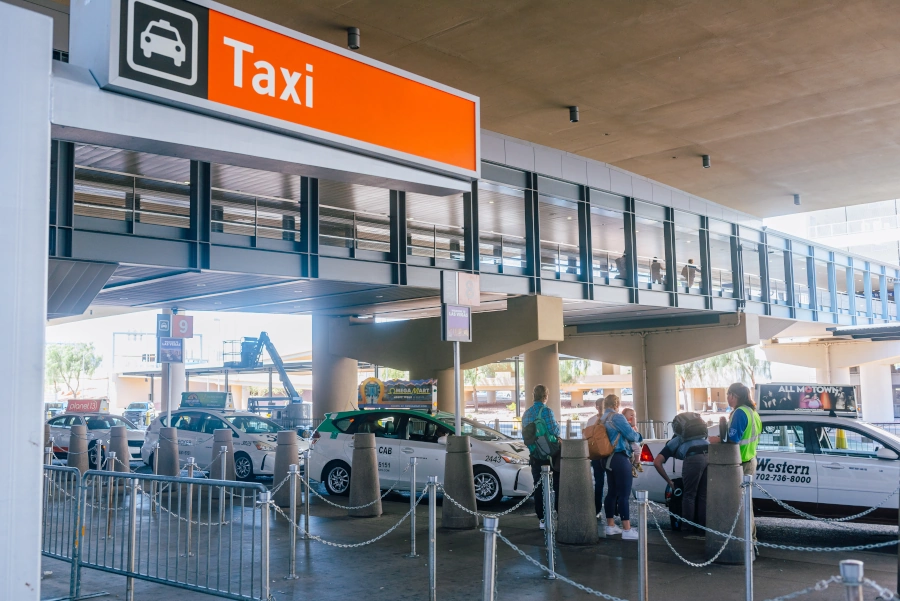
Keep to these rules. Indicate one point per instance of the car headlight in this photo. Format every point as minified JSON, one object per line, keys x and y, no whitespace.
{"x":261,"y":446}
{"x":511,"y":458}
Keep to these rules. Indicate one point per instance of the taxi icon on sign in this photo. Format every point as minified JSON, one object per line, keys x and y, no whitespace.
{"x":161,"y":38}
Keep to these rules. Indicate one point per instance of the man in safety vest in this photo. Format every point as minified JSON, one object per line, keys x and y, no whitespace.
{"x":744,"y":428}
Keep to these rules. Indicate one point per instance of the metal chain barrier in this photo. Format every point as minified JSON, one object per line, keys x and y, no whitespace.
{"x":158,"y":504}
{"x":558,"y":576}
{"x":348,"y":545}
{"x":719,"y":552}
{"x":339,"y":506}
{"x":774,"y":545}
{"x":490,"y":515}
{"x":884,"y":593}
{"x":803,"y":514}
{"x":819,"y":586}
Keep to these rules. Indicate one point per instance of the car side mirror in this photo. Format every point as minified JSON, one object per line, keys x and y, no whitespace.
{"x":443,"y":440}
{"x":306,"y":434}
{"x":886,"y":453}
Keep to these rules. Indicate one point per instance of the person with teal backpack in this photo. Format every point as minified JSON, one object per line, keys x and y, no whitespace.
{"x":540,"y":432}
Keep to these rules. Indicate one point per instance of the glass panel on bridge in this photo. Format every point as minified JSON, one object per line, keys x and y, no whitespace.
{"x":777,"y":277}
{"x":877,"y":306}
{"x":687,"y":258}
{"x":823,"y":291}
{"x":801,"y":279}
{"x":354,"y":216}
{"x":436,"y":226}
{"x":250,"y":202}
{"x":859,"y":291}
{"x":559,"y":238}
{"x":840,"y":279}
{"x":650,"y":239}
{"x":608,"y":242}
{"x":501,"y":222}
{"x":721,"y":282}
{"x":752,"y":278}
{"x":124,"y":185}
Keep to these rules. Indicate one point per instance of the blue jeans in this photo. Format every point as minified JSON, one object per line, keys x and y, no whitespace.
{"x":599,"y":476}
{"x":620,"y":481}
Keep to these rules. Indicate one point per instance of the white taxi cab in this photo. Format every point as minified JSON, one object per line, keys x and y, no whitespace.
{"x":500,"y":463}
{"x":93,"y":413}
{"x":823,"y":464}
{"x":255,"y":438}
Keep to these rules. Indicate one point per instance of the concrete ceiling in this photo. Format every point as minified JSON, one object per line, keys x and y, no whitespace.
{"x":787,"y":96}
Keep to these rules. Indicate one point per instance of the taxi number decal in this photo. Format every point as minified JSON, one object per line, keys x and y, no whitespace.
{"x":385,"y":450}
{"x":185,"y":443}
{"x":784,"y":478}
{"x":492,"y":459}
{"x":384,"y":465}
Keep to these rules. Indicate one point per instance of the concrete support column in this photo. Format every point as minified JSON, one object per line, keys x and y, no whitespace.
{"x":577,"y":398}
{"x":335,"y":378}
{"x":661,"y":394}
{"x":542,"y":367}
{"x":446,"y":391}
{"x":491,"y":397}
{"x":26,"y":42}
{"x":876,"y":392}
{"x":833,"y":375}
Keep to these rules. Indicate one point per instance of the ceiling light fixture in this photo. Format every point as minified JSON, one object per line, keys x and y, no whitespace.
{"x":706,"y":162}
{"x":797,"y":199}
{"x":353,"y":38}
{"x":573,"y":114}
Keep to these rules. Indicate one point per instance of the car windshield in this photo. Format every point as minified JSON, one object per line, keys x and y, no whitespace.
{"x":476,"y":430}
{"x":887,"y":436}
{"x":163,"y":33}
{"x":252,"y":424}
{"x":137,"y":406}
{"x":105,"y":422}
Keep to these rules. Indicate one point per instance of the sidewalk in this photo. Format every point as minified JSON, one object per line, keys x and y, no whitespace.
{"x":380,"y":571}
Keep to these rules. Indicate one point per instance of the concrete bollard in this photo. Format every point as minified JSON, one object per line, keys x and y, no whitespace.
{"x":78,"y":445}
{"x":118,"y":444}
{"x":365,"y":488}
{"x":723,"y":489}
{"x":287,"y":453}
{"x":167,"y":464}
{"x":223,"y":438}
{"x":577,"y":524}
{"x":459,"y":483}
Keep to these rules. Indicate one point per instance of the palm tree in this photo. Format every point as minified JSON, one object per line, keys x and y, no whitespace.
{"x":475,"y":376}
{"x":692,"y":372}
{"x":572,"y":369}
{"x":742,"y":366}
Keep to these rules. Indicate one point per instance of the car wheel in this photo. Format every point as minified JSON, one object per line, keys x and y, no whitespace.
{"x":243,"y":467}
{"x":336,"y":478}
{"x":487,"y":486}
{"x":92,"y":457}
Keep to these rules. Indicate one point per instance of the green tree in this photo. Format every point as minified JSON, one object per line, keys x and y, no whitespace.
{"x":690,"y":373}
{"x":572,"y":369}
{"x":389,"y":373}
{"x":743,"y":366}
{"x":66,"y":364}
{"x":474,"y":377}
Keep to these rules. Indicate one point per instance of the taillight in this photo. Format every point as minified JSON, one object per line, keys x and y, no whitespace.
{"x":646,"y":455}
{"x":315,"y":437}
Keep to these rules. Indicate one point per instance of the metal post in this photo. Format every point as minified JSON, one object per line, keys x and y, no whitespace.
{"x":154,"y":506}
{"x":489,"y":576}
{"x":223,"y":453}
{"x":132,"y":540}
{"x":48,"y":454}
{"x":190,"y":502}
{"x":747,"y":492}
{"x":77,"y":537}
{"x":643,"y":571}
{"x":307,"y":495}
{"x":432,"y":538}
{"x":457,"y":422}
{"x":264,"y":499}
{"x":110,"y":467}
{"x":293,"y":474}
{"x":412,"y":507}
{"x":547,"y":491}
{"x":852,"y":576}
{"x":518,"y":403}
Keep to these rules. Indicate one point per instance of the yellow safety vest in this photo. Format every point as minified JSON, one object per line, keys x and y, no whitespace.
{"x":750,"y":437}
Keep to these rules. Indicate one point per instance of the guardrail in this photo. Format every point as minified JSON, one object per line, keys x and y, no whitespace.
{"x":196,"y":534}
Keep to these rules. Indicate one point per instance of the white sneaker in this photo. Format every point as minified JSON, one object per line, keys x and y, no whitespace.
{"x":542,"y":525}
{"x":630,"y":534}
{"x":613,"y":530}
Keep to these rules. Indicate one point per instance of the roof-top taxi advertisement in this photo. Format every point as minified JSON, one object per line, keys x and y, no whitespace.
{"x":398,"y":394}
{"x":807,"y":398}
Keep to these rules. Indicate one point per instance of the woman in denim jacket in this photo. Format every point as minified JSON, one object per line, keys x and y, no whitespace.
{"x":618,"y":468}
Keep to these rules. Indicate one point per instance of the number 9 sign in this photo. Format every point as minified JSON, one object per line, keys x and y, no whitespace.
{"x":182,"y":326}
